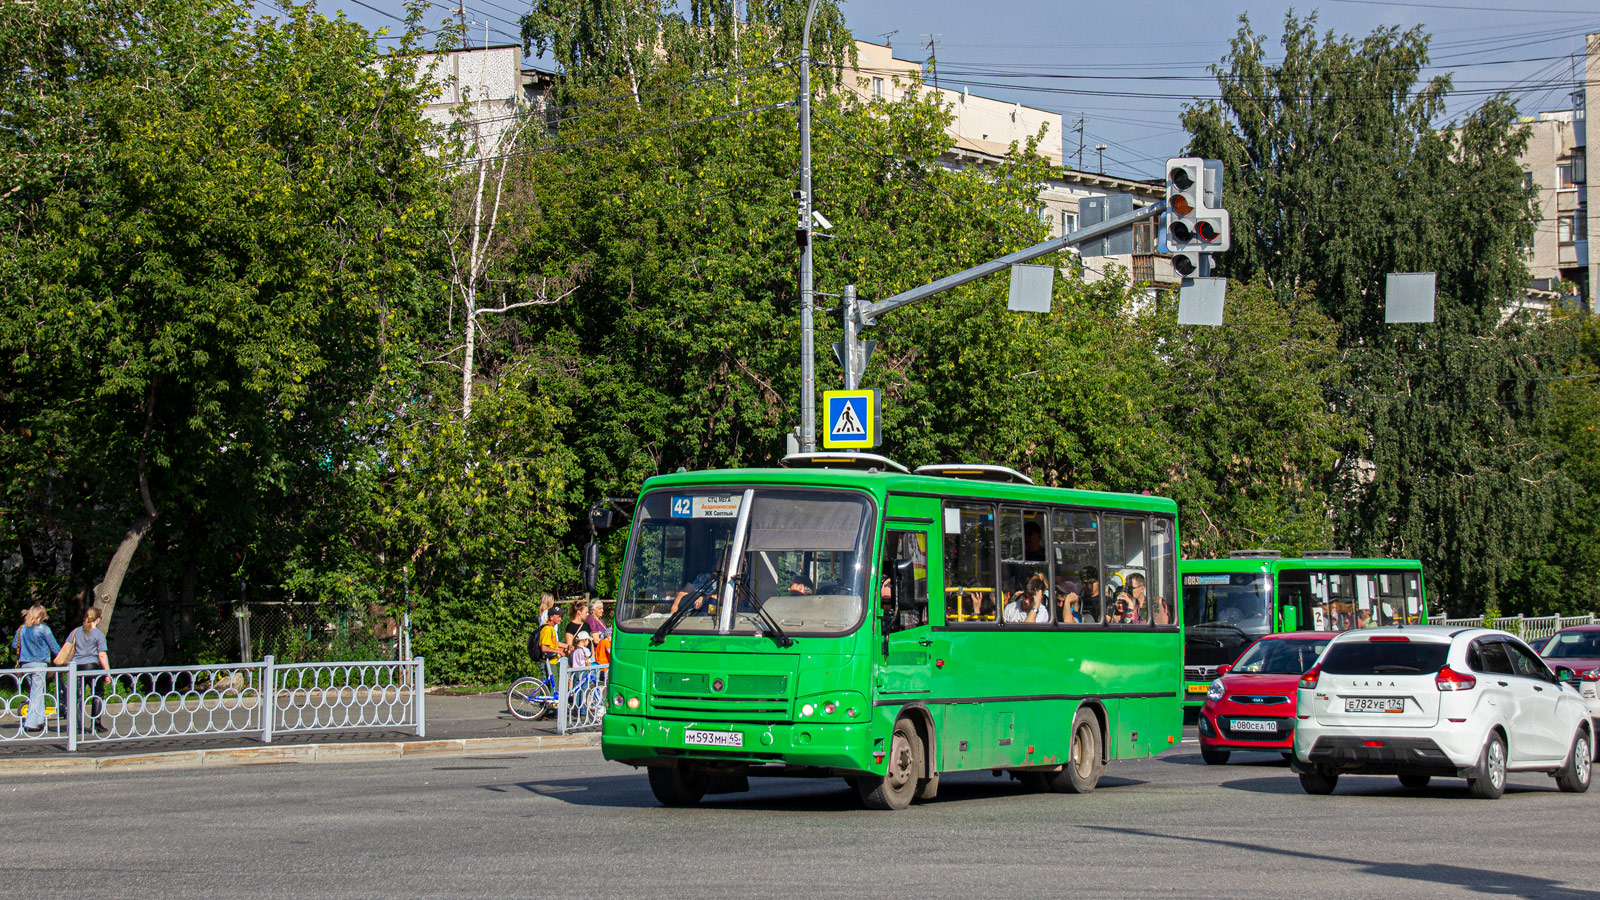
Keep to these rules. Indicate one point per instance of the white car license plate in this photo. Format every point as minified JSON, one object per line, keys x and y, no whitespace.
{"x":713,"y":738}
{"x":1375,"y":704}
{"x":1254,"y":725}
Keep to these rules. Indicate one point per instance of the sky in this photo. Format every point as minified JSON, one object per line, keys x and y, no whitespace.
{"x":1134,"y":64}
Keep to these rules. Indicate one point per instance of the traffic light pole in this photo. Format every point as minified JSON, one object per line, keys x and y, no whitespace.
{"x":865,"y":314}
{"x":808,"y":334}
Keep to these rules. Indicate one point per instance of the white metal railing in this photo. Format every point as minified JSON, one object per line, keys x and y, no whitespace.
{"x":94,"y":705}
{"x":580,"y":697}
{"x":1529,"y":628}
{"x":18,"y":694}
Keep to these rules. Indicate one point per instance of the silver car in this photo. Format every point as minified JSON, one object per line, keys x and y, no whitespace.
{"x":1421,"y":701}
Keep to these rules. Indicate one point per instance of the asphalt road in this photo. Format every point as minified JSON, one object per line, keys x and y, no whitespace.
{"x":569,"y":825}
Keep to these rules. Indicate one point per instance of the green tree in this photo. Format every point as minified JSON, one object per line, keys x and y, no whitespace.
{"x":209,"y":223}
{"x":1338,"y":176}
{"x":1253,"y":436}
{"x":1551,"y":579}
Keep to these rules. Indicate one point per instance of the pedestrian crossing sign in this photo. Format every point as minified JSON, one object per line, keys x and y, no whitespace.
{"x":852,"y":420}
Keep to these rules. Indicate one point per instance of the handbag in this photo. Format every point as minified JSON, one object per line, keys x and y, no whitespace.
{"x":64,"y":655}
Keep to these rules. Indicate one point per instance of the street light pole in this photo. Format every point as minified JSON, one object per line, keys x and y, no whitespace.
{"x":808,"y":339}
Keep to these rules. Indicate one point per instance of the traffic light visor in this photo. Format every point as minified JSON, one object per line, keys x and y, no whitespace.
{"x":1206,"y":230}
{"x":1180,"y":179}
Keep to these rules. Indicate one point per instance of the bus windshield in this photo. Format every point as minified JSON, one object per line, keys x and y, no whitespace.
{"x":802,"y":561}
{"x":1223,"y":614}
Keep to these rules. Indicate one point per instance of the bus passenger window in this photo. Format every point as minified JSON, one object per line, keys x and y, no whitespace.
{"x":1414,"y":603}
{"x":1163,"y":597}
{"x":1123,"y":551}
{"x":1024,"y":567}
{"x":1075,"y":551}
{"x":969,"y":563}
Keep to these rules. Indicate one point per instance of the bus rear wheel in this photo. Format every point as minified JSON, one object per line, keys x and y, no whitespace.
{"x":679,"y":784}
{"x":898,"y":786}
{"x":1084,"y":766}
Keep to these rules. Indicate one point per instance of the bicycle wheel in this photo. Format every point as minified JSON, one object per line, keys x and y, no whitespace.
{"x":529,"y":699}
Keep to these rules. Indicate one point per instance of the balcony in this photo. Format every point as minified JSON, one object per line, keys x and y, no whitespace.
{"x":1154,"y":269}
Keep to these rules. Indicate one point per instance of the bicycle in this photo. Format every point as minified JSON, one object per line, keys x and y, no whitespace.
{"x":531,"y":698}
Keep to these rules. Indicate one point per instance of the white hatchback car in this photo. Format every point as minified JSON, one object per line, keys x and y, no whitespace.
{"x":1424,"y":700}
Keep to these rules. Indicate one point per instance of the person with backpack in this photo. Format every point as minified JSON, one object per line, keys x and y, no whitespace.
{"x":552,"y":646}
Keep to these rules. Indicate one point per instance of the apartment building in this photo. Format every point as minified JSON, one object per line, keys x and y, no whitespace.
{"x":1561,"y":269}
{"x":492,"y":80}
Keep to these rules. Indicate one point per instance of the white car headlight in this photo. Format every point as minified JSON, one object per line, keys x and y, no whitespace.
{"x":1215,"y":691}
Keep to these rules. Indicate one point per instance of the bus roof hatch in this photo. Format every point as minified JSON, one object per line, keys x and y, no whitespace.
{"x":978,"y":472}
{"x":1254,"y":554}
{"x":1325,"y":554}
{"x":839,"y":459}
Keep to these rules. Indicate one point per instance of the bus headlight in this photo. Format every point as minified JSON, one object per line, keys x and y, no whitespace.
{"x":633,"y":702}
{"x":1215,"y":691}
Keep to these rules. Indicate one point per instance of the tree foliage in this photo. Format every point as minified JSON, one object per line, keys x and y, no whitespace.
{"x":209,"y":223}
{"x":1337,"y":177}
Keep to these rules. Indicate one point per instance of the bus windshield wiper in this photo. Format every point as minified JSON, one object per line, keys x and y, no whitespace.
{"x":1242,"y":632}
{"x":684,"y":607}
{"x":774,"y":630}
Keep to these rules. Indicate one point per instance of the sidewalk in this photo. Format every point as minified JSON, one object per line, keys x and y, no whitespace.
{"x":476,"y":723}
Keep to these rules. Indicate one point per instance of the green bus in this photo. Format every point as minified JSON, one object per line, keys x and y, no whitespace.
{"x":845,"y":617}
{"x":1229,"y":603}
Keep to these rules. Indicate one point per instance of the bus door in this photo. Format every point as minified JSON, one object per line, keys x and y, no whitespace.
{"x":904,"y":654}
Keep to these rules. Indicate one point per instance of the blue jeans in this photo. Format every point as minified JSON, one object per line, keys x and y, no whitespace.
{"x":35,"y":716}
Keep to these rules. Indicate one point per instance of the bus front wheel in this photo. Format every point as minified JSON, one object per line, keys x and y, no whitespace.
{"x":680,"y":784}
{"x":898,"y":786}
{"x":1084,"y":765}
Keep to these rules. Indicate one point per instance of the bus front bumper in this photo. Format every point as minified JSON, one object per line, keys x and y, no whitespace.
{"x":637,"y":740}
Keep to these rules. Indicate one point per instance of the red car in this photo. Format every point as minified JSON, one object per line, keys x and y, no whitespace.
{"x":1251,"y":704}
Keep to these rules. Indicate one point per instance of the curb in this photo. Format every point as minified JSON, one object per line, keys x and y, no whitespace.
{"x":297,"y":753}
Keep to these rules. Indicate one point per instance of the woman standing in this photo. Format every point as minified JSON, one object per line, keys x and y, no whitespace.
{"x":35,"y":646}
{"x":89,"y":653}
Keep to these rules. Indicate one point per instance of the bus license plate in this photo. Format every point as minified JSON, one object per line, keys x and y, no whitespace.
{"x":1375,"y":704}
{"x":1254,"y":725}
{"x":713,"y":738}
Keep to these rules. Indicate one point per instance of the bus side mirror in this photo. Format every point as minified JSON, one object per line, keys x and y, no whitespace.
{"x":591,"y":566}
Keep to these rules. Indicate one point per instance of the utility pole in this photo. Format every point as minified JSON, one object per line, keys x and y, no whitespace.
{"x":933,"y":56}
{"x":808,"y":337}
{"x":1079,"y":129}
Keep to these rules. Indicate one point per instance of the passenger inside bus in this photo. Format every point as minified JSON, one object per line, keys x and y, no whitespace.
{"x":1067,"y":605}
{"x":1136,"y":590}
{"x":1089,"y":603}
{"x":1031,"y":604}
{"x":703,"y":589}
{"x":801,"y":586}
{"x":1163,"y":614}
{"x":1033,"y":542}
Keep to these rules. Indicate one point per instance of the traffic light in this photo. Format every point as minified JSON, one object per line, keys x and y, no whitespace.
{"x":1195,"y":222}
